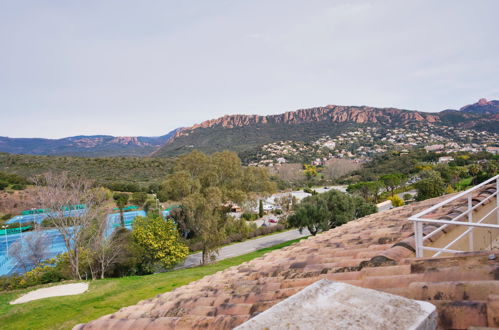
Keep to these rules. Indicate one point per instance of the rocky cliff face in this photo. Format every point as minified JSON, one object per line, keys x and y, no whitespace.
{"x":330,"y":113}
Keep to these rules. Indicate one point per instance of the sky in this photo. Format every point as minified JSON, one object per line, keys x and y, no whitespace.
{"x":129,"y":68}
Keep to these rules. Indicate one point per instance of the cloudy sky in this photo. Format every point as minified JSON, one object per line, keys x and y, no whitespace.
{"x":125,"y":67}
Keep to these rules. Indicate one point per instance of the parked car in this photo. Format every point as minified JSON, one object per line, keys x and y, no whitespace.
{"x":273,"y":221}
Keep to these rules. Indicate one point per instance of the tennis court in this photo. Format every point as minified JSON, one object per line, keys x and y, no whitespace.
{"x":55,"y":240}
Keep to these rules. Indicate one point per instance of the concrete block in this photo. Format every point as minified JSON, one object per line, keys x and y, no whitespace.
{"x":335,"y":305}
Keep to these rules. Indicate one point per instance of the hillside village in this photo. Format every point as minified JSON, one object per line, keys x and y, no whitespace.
{"x":364,"y":143}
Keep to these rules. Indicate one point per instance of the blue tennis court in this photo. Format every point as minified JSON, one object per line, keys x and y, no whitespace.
{"x":55,"y":240}
{"x":38,"y":218}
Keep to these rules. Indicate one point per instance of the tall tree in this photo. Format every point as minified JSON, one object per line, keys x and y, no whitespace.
{"x":59,"y":193}
{"x":121,"y":202}
{"x":202,"y":184}
{"x":260,"y":208}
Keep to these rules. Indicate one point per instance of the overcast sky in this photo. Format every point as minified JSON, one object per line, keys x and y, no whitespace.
{"x":145,"y":67}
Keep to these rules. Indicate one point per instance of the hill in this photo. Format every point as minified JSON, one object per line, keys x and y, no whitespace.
{"x":88,"y":146}
{"x":132,"y":170}
{"x":482,"y":107}
{"x":242,"y":133}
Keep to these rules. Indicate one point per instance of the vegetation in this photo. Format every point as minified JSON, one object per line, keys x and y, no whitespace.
{"x":394,"y":173}
{"x":370,"y":191}
{"x":431,"y":185}
{"x":121,"y":201}
{"x":159,"y":241}
{"x":328,"y":210}
{"x":396,"y":201}
{"x":244,"y":140}
{"x":118,"y":173}
{"x":106,"y":296}
{"x":203,"y":184}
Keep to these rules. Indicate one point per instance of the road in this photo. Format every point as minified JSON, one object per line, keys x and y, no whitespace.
{"x":248,"y":246}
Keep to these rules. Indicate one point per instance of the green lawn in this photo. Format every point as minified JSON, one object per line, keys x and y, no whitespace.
{"x":105,"y":296}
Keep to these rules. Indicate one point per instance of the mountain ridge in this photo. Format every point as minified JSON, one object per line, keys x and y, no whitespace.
{"x":86,"y":145}
{"x":223,"y":132}
{"x":239,"y":132}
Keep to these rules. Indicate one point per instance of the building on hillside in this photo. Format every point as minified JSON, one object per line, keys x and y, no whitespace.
{"x":492,"y":150}
{"x":434,"y":147}
{"x":455,"y":272}
{"x":445,"y":159}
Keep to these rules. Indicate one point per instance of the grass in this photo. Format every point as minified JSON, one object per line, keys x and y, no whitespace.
{"x":464,"y":183}
{"x":105,"y":296}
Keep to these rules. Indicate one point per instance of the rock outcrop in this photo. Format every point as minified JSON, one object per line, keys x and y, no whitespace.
{"x":329,"y":113}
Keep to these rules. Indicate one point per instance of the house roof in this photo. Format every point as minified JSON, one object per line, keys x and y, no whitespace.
{"x":374,"y":252}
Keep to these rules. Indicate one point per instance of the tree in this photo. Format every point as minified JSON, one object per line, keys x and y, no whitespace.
{"x":328,"y":210}
{"x":368,"y":190}
{"x":474,"y":171}
{"x":260,"y":208}
{"x":59,"y":194}
{"x":431,"y":185}
{"x":310,"y":171}
{"x":392,"y":181}
{"x":337,"y":167}
{"x":312,"y":213}
{"x":203,"y":184}
{"x":121,"y":201}
{"x":362,"y":208}
{"x":160,"y":241}
{"x":139,"y":197}
{"x":103,"y":249}
{"x":31,"y":250}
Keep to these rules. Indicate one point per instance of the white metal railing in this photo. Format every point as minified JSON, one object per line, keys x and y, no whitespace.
{"x":418,"y":220}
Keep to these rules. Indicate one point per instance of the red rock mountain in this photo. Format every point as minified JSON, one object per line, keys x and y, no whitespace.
{"x":329,"y":113}
{"x":242,"y":133}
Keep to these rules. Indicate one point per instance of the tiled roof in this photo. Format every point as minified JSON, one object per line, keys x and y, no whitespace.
{"x":375,"y":252}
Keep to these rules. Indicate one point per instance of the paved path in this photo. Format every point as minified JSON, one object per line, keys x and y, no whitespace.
{"x":248,"y":246}
{"x":53,"y":291}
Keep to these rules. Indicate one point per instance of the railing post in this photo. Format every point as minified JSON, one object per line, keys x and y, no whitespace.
{"x":418,"y":236}
{"x":470,"y":219}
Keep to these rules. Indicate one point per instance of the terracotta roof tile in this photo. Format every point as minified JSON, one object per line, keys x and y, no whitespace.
{"x":374,"y":252}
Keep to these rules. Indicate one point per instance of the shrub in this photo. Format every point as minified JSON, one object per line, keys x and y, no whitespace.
{"x":18,"y":186}
{"x":249,"y":216}
{"x":160,"y":242}
{"x":396,"y":201}
{"x":3,"y":185}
